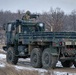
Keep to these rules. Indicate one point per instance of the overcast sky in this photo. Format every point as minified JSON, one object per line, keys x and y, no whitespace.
{"x":38,"y":6}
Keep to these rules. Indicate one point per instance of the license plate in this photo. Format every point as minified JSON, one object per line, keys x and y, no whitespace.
{"x":68,"y":43}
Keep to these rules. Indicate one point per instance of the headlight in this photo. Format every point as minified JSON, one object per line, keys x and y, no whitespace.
{"x":41,"y":24}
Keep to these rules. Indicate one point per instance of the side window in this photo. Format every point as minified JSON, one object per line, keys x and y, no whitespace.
{"x":9,"y":27}
{"x":25,"y":29}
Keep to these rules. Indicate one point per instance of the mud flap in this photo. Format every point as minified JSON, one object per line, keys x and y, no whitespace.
{"x":54,"y":51}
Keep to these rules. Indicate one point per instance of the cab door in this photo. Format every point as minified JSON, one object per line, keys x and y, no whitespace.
{"x":9,"y":33}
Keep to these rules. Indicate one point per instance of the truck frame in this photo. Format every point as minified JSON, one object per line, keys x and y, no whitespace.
{"x":29,"y":39}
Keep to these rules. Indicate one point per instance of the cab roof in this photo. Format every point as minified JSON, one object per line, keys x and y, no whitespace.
{"x":23,"y":22}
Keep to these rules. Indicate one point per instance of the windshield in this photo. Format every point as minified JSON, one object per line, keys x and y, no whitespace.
{"x":39,"y":27}
{"x":27,"y":29}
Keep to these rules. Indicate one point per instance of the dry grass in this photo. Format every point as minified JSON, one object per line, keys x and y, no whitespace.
{"x":12,"y":71}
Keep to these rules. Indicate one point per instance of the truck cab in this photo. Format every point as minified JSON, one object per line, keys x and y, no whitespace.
{"x":26,"y":27}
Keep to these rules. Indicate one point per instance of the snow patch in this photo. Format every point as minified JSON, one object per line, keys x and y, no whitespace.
{"x":72,"y":66}
{"x":27,"y":59}
{"x":59,"y":64}
{"x":59,"y":73}
{"x":43,"y":71}
{"x":2,"y":56}
{"x":30,"y":68}
{"x":2,"y":65}
{"x":63,"y":73}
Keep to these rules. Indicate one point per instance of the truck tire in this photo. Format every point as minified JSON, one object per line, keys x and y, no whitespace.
{"x":67,"y":63}
{"x":48,"y":60}
{"x":11,"y":56}
{"x":36,"y":55}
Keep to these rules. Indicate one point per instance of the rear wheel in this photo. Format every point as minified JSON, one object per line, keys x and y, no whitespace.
{"x":66,"y":63}
{"x":36,"y":55}
{"x":11,"y":56}
{"x":48,"y":60}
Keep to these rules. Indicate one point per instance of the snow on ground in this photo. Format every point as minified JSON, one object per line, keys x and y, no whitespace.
{"x":63,"y":73}
{"x":2,"y":58}
{"x":2,"y":64}
{"x":59,"y":64}
{"x":72,"y":66}
{"x":27,"y":59}
{"x":30,"y":68}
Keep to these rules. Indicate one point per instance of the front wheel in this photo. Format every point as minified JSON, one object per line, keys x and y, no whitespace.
{"x":48,"y":60}
{"x":11,"y":56}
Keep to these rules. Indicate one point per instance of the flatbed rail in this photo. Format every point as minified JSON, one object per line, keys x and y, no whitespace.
{"x":49,"y":35}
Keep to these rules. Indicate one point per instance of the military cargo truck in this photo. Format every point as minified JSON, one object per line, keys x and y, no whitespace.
{"x":29,"y":39}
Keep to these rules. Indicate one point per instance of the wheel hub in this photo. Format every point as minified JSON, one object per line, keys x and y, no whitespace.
{"x":10,"y":56}
{"x":35,"y":58}
{"x":46,"y":58}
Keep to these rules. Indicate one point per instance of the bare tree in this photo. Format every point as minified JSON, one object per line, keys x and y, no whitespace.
{"x":73,"y":20}
{"x":57,"y":20}
{"x":53,"y":19}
